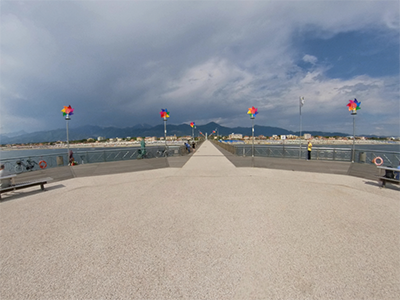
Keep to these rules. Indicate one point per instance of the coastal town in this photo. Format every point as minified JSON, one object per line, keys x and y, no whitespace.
{"x":236,"y":138}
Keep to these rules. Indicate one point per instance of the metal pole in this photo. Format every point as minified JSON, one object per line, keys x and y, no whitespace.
{"x":66,"y":119}
{"x":300,"y":132}
{"x":252,"y":130}
{"x":301,"y":102}
{"x":354,"y":137}
{"x":165,"y":132}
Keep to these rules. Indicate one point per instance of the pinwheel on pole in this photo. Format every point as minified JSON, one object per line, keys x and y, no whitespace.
{"x":353,"y":105}
{"x":193,"y":125}
{"x":214,"y":131}
{"x":252,"y":112}
{"x":165,"y":114}
{"x":67,"y":111}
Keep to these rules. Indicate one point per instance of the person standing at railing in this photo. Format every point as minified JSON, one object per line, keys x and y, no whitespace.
{"x":309,"y":148}
{"x":187,"y":147}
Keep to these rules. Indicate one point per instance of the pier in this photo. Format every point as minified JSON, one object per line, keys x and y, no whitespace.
{"x":206,"y":226}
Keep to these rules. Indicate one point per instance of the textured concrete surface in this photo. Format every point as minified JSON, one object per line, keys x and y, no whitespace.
{"x":207,"y":230}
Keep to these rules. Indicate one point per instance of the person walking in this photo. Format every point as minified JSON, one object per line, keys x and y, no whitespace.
{"x":309,"y":148}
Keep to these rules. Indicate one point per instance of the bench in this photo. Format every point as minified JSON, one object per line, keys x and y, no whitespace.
{"x":385,"y":178}
{"x":19,"y":186}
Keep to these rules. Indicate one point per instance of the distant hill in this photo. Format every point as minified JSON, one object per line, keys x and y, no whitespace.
{"x":89,"y":131}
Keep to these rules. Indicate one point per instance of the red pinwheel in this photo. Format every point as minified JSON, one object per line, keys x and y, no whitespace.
{"x":252,"y":112}
{"x":354,"y":105}
{"x":67,"y":111}
{"x":164,"y":114}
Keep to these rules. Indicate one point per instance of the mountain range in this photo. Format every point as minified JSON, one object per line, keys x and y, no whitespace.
{"x":143,"y":130}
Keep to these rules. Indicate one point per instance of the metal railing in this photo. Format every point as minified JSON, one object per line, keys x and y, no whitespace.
{"x":53,"y":160}
{"x":389,"y":158}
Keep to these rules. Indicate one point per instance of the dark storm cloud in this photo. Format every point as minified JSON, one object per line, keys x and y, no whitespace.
{"x":118,"y":63}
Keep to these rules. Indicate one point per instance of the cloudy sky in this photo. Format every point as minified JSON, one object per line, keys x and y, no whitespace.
{"x":118,"y":63}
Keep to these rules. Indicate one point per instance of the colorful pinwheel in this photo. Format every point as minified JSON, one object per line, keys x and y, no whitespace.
{"x":192,"y":124}
{"x":354,"y":105}
{"x":67,"y":111}
{"x":252,"y":112}
{"x":164,"y":114}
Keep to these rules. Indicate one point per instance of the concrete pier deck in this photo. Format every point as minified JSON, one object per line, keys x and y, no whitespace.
{"x":204,"y":230}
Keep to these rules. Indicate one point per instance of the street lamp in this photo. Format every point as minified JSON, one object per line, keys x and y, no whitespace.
{"x":165,"y":114}
{"x":67,"y":113}
{"x":300,"y":105}
{"x":353,"y":105}
{"x":252,"y":112}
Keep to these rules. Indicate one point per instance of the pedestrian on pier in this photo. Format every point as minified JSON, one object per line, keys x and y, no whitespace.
{"x":309,"y":148}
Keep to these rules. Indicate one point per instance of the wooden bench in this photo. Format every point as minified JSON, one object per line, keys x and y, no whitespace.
{"x":383,"y":178}
{"x":19,"y":186}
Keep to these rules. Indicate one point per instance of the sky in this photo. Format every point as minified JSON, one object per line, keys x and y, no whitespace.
{"x":118,"y":63}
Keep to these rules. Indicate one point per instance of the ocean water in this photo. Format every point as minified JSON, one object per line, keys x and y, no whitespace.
{"x":374,"y":147}
{"x":8,"y":154}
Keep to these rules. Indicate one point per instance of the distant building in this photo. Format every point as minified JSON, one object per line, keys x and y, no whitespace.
{"x":101,"y":138}
{"x":235,"y":136}
{"x":172,"y":138}
{"x":307,"y":136}
{"x":150,"y":139}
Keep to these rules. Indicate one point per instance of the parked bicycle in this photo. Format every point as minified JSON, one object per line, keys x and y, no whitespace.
{"x":21,"y":166}
{"x":162,"y":153}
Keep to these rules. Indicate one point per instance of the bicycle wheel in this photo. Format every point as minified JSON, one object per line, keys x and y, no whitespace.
{"x":18,"y":168}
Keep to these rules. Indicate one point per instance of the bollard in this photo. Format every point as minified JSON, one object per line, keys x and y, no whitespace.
{"x":60,"y":161}
{"x":362,"y":157}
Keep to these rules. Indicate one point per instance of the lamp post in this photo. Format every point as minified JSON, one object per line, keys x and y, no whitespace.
{"x":67,"y":111}
{"x":300,"y":105}
{"x":252,"y":112}
{"x":353,"y":105}
{"x":165,"y":114}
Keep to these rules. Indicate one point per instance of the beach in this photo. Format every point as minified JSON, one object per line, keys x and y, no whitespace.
{"x":205,"y":229}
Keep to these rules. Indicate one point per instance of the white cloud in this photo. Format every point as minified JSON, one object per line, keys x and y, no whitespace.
{"x":310,"y":59}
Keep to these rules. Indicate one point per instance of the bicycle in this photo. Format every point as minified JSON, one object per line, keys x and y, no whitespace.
{"x":20,"y":166}
{"x":162,"y":153}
